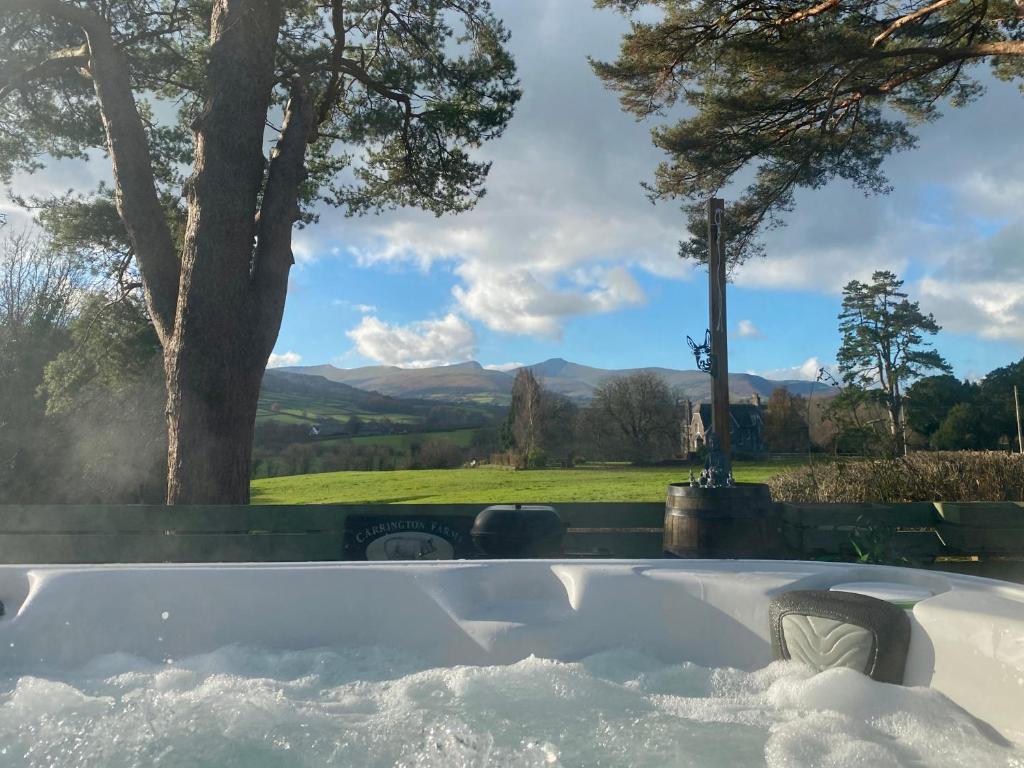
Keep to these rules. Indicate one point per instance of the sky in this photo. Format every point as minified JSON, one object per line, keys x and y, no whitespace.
{"x":566,"y":257}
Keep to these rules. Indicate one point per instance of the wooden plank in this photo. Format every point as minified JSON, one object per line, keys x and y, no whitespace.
{"x":912,"y":544}
{"x":982,"y":514}
{"x":612,"y":514}
{"x":284,"y":519}
{"x":829,"y":515}
{"x":969,"y":540}
{"x":616,"y":544}
{"x":206,"y":519}
{"x":159,"y":548}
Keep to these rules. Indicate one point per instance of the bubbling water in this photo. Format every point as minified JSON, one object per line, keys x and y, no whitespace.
{"x":372,"y":707}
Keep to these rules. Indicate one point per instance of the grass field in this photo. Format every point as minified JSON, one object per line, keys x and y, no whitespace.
{"x":461,"y":437}
{"x":489,"y":485}
{"x":298,"y":409}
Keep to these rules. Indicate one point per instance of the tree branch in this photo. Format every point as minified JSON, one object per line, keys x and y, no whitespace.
{"x":806,"y":13}
{"x":909,"y":19}
{"x":137,"y":202}
{"x":57,"y":63}
{"x":337,"y":55}
{"x":279,"y":210}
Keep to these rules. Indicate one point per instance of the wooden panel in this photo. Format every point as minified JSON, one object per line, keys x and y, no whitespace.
{"x":159,"y":548}
{"x":989,"y":514}
{"x":81,"y":534}
{"x":829,"y":515}
{"x":615,"y":544}
{"x":284,"y":519}
{"x":197,"y":519}
{"x":612,"y":514}
{"x":970,"y":540}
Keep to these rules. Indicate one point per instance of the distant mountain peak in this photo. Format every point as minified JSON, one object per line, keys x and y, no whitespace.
{"x":471,"y":382}
{"x":552,"y":367}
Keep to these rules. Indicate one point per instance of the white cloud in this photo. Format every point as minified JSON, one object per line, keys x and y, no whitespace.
{"x":977,"y":287}
{"x":806,"y":371}
{"x":988,"y":308}
{"x":304,"y":249}
{"x":746,"y":329}
{"x":416,"y":345}
{"x":564,"y":194}
{"x":516,"y":301}
{"x":504,"y":366}
{"x":280,"y":361}
{"x":565,"y":227}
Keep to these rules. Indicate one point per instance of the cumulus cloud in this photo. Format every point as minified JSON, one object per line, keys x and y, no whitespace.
{"x":285,"y":359}
{"x":516,"y":301}
{"x":746,"y":329}
{"x":564,"y":194}
{"x":417,"y":345}
{"x":565,"y":227}
{"x":977,"y":287}
{"x":504,"y":366}
{"x":943,"y":220}
{"x":988,"y":308}
{"x":806,"y":371}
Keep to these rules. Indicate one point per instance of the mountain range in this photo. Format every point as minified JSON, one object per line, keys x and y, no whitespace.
{"x":471,"y":382}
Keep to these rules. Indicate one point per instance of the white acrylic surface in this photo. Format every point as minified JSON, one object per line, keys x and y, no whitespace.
{"x":967,"y":641}
{"x":891,"y":592}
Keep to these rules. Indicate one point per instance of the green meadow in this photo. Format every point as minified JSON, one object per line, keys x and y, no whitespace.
{"x":490,"y":485}
{"x":288,"y":408}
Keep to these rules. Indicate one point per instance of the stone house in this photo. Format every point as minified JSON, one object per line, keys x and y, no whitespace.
{"x":747,"y":426}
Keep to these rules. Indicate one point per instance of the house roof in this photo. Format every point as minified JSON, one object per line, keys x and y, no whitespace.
{"x":744,"y":415}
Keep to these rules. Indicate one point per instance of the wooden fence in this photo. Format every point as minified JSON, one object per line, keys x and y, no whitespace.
{"x":980,"y":538}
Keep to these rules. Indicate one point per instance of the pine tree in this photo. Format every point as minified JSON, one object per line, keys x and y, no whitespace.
{"x":800,"y":93}
{"x":226,"y":123}
{"x":883,"y":344}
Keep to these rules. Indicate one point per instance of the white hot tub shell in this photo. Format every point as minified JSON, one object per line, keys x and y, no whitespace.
{"x":967,"y":636}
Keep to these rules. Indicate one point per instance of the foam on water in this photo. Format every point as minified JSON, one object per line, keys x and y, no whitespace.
{"x":370,"y":707}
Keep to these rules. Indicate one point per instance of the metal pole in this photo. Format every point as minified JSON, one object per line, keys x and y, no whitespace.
{"x":721,"y":421}
{"x":1016,"y":407}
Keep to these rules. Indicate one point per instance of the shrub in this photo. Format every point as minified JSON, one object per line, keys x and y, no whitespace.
{"x":953,"y":476}
{"x":439,"y":454}
{"x":537,"y":459}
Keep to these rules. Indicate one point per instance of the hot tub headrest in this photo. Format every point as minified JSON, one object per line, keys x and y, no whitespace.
{"x":840,"y":629}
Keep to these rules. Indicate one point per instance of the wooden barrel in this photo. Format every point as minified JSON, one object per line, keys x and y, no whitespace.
{"x":733,"y":522}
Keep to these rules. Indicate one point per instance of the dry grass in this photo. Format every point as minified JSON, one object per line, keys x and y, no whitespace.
{"x":954,"y":476}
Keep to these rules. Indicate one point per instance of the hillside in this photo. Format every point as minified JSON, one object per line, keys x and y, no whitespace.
{"x":288,"y":398}
{"x":471,"y":382}
{"x":460,"y":382}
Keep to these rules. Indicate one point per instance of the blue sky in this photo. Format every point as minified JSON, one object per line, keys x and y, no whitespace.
{"x":565,"y":257}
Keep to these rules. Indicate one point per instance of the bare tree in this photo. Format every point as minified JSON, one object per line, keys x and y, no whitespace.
{"x":638,"y":412}
{"x":37,"y":283}
{"x":525,"y":416}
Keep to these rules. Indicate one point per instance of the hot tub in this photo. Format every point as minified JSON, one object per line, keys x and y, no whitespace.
{"x":131,"y":652}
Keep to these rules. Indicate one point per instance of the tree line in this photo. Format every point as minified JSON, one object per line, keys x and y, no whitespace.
{"x":632,"y":418}
{"x":899,"y":393}
{"x":370,"y":106}
{"x":81,"y":411}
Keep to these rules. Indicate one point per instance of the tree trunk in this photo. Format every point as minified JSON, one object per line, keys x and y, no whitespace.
{"x":231,"y":294}
{"x":896,"y":425}
{"x":211,"y":415}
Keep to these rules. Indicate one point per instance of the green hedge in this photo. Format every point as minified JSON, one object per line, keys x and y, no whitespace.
{"x":953,"y":476}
